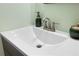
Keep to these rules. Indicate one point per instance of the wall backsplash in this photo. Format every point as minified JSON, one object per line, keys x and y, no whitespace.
{"x":65,"y":14}
{"x":14,"y":16}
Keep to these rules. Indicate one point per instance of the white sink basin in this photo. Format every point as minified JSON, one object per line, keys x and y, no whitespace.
{"x":34,"y":35}
{"x":48,"y":37}
{"x":54,"y":43}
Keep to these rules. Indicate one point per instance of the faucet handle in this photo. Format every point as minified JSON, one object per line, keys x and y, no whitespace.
{"x":53,"y":26}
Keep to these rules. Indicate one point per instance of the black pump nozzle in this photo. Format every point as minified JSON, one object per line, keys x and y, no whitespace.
{"x":38,"y":14}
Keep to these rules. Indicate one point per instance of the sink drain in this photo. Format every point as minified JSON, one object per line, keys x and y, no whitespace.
{"x":39,"y":46}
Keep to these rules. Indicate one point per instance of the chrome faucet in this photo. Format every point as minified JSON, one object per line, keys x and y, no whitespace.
{"x":46,"y":24}
{"x":49,"y":25}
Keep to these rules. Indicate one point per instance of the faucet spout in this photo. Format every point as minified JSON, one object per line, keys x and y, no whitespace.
{"x":46,"y":23}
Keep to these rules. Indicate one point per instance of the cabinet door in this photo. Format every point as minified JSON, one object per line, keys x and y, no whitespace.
{"x":10,"y":49}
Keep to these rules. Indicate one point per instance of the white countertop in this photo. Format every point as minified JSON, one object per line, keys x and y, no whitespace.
{"x":70,"y":47}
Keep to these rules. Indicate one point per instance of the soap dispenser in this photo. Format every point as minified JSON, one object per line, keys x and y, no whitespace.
{"x":38,"y":21}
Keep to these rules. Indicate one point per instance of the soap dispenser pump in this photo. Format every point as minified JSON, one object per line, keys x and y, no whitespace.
{"x":38,"y":21}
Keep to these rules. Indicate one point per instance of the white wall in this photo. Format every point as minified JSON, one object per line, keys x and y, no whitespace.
{"x":15,"y":15}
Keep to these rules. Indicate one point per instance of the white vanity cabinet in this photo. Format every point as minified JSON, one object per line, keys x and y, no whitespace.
{"x":10,"y":49}
{"x":1,"y":48}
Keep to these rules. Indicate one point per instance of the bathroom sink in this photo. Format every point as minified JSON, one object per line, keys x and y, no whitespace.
{"x":36,"y":35}
{"x":48,"y":37}
{"x":39,"y":42}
